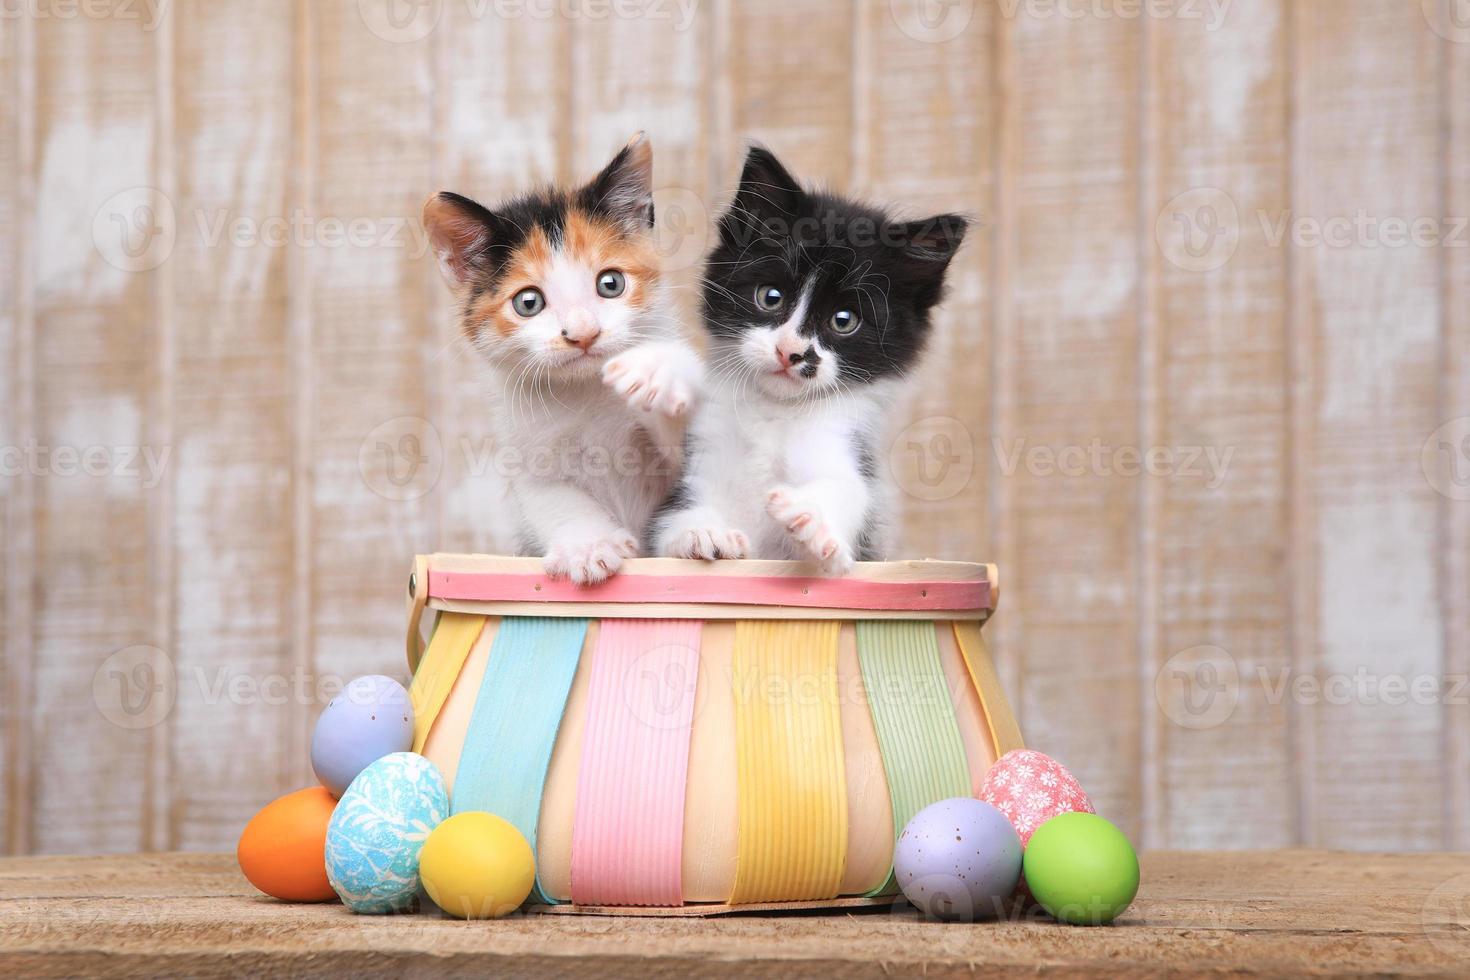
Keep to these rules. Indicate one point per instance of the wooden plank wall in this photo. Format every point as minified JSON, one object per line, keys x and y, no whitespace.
{"x":210,"y":248}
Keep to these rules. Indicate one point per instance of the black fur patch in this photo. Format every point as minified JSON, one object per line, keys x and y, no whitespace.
{"x":867,"y":460}
{"x":510,"y":223}
{"x":851,"y":256}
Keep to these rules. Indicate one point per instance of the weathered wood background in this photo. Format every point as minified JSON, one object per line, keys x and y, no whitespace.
{"x":210,"y":253}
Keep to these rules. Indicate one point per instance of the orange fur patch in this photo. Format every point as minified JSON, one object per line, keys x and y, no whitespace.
{"x":598,"y":244}
{"x":590,"y":241}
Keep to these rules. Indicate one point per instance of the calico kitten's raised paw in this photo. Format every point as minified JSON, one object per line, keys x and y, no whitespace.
{"x":648,"y":380}
{"x":587,"y":561}
{"x":802,"y":520}
{"x":708,"y":543}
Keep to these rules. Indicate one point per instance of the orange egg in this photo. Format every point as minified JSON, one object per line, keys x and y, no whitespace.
{"x":283,"y":847}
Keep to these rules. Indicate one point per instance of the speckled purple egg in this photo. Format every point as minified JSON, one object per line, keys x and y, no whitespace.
{"x":371,"y":718}
{"x":958,"y":860}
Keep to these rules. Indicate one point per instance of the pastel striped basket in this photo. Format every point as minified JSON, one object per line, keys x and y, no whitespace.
{"x":690,"y":737}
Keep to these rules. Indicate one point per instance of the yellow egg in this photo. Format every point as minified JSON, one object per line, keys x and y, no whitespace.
{"x":477,"y":866}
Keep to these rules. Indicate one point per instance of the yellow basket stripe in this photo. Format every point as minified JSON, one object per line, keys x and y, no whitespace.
{"x":1005,"y":734}
{"x":454,"y":635}
{"x":791,"y":782}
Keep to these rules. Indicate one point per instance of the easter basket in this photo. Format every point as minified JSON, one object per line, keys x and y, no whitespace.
{"x":691,"y":738}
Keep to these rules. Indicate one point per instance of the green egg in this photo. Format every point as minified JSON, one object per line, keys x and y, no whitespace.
{"x":1081,"y":869}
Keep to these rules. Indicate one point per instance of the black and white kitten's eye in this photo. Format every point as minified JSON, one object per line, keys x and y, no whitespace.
{"x":845,"y":322}
{"x":769,"y":298}
{"x":528,"y":302}
{"x":611,"y":283}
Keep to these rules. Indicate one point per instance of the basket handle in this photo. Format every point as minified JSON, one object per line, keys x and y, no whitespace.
{"x":418,"y":600}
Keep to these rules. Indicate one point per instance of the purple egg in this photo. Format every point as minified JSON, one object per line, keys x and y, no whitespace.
{"x":958,"y":860}
{"x":371,"y":718}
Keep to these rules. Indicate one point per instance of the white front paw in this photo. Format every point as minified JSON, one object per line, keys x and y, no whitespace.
{"x":648,"y":381}
{"x":801,"y":518}
{"x":587,"y":561}
{"x":707,"y":543}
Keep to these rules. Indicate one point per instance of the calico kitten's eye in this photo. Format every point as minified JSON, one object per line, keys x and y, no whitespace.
{"x":845,"y":322}
{"x":769,"y":297}
{"x":611,"y":283}
{"x":528,"y":302}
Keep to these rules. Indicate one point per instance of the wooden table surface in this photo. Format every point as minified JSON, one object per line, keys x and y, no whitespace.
{"x":1259,"y":914}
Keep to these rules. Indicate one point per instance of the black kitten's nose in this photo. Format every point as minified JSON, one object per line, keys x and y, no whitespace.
{"x":798,"y":358}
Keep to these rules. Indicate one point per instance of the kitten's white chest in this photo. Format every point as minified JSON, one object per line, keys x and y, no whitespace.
{"x":752,"y":447}
{"x":588,"y":440}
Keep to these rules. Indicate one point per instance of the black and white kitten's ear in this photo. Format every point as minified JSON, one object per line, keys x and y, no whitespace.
{"x":462,"y":233}
{"x":624,"y":189}
{"x":767,"y":189}
{"x":932,"y":240}
{"x":924,"y":249}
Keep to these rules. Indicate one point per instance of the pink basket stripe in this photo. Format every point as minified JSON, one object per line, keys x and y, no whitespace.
{"x":753,"y":590}
{"x":628,"y":826}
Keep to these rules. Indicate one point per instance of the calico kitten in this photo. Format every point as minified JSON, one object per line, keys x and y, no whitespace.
{"x":817,"y":307}
{"x":560,"y":291}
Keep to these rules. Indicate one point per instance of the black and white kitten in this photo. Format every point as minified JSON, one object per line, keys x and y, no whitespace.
{"x":817,"y":307}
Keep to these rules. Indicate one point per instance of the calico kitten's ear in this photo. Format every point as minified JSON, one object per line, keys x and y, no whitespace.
{"x":932,"y":240}
{"x":462,"y":233}
{"x":624,"y":189}
{"x":767,"y":189}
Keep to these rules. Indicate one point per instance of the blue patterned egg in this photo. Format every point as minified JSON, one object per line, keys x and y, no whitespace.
{"x":378,"y":829}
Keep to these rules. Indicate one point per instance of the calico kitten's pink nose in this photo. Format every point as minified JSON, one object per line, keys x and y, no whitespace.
{"x":581,"y":331}
{"x":583,"y":341}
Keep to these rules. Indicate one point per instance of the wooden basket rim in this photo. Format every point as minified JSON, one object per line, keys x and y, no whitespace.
{"x":496,"y":578}
{"x":675,"y":588}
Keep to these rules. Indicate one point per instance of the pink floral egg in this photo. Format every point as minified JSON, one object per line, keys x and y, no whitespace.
{"x":1030,"y":788}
